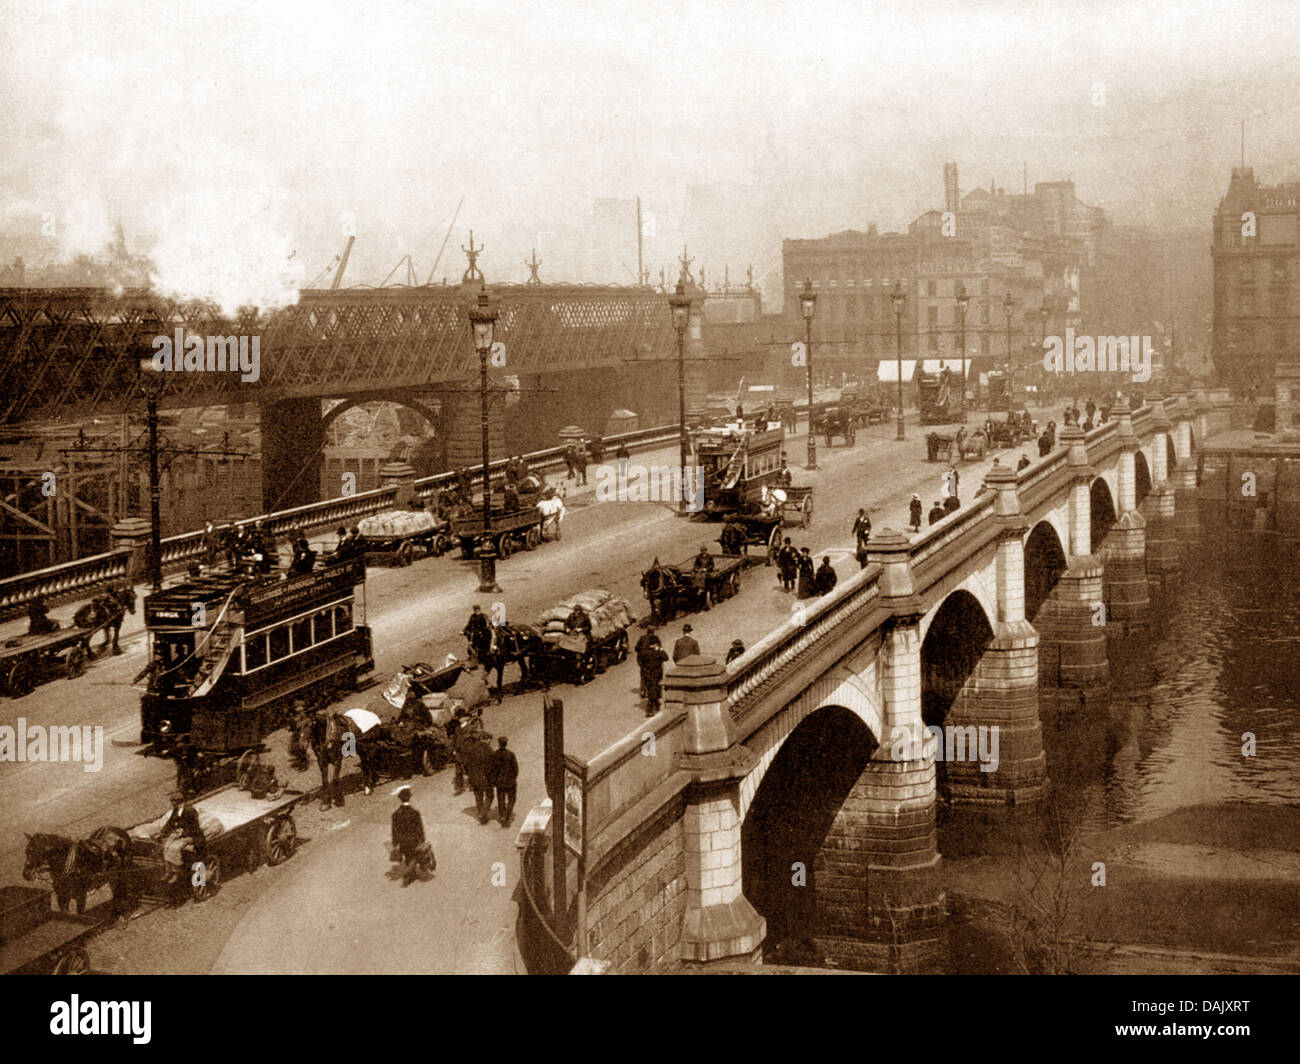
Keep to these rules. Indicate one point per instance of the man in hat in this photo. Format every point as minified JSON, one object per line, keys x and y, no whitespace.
{"x":824,"y":581}
{"x":503,"y":772}
{"x":643,"y":645}
{"x":914,"y":513}
{"x":686,"y":646}
{"x":180,"y":830}
{"x":475,"y":754}
{"x":652,"y":663}
{"x":477,"y":633}
{"x":787,"y":562}
{"x":861,"y":534}
{"x":408,"y":834}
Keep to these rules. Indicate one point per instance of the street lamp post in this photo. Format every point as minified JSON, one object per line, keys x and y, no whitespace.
{"x":808,"y":304}
{"x":1007,"y":305}
{"x":483,"y":320}
{"x":963,"y":302}
{"x":899,"y":300}
{"x":152,"y":384}
{"x":681,"y":307}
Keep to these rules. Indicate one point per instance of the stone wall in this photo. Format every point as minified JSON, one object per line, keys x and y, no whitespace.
{"x":636,"y":896}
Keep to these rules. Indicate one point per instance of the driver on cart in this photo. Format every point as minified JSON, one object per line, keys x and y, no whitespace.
{"x":578,"y":622}
{"x":180,"y":832}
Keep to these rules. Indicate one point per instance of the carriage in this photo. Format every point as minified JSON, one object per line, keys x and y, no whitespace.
{"x":565,"y":656}
{"x":671,"y":589}
{"x":414,"y":711}
{"x":230,"y":654}
{"x":781,"y":508}
{"x":399,"y":537}
{"x":240,"y":831}
{"x":36,"y":940}
{"x":838,"y":420}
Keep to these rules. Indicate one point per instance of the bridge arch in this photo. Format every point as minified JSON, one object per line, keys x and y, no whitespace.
{"x":794,"y":832}
{"x":425,"y":411}
{"x":958,"y":634}
{"x":1045,"y":561}
{"x":1102,"y":511}
{"x":1141,"y":476}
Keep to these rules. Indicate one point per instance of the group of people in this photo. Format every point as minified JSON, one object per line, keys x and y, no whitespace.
{"x":651,"y":657}
{"x":797,"y":572}
{"x":1093,"y":415}
{"x":577,"y":455}
{"x":949,"y":501}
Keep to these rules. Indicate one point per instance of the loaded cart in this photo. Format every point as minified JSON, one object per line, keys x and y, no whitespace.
{"x":36,"y":940}
{"x":574,"y":650}
{"x":238,"y":831}
{"x":761,"y":526}
{"x":28,"y":660}
{"x":401,"y":536}
{"x":413,"y":714}
{"x":682,"y":588}
{"x":510,"y":529}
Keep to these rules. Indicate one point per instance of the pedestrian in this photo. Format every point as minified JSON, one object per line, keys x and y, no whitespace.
{"x":580,"y":464}
{"x":503,"y":772}
{"x":787,"y":563}
{"x":686,"y":646}
{"x":807,"y":574}
{"x":914,"y":512}
{"x":478,"y":634}
{"x":825,"y":579}
{"x":937,"y":512}
{"x":1090,"y":408}
{"x":643,"y":645}
{"x":951,"y":504}
{"x":568,"y":462}
{"x":861,"y":534}
{"x":475,"y":754}
{"x":736,"y":649}
{"x":211,"y":544}
{"x":455,"y":735}
{"x":652,"y":675}
{"x":1023,"y":463}
{"x":408,"y":839}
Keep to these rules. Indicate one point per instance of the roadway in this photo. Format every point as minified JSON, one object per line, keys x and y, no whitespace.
{"x":331,"y":908}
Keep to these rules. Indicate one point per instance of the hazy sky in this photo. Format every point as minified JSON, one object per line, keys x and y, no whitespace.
{"x":228,"y":136}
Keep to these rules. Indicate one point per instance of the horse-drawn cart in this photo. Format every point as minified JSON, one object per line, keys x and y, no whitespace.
{"x":781,"y":508}
{"x":414,"y":709}
{"x":576,"y":656}
{"x":400,"y":536}
{"x":524,"y":528}
{"x":238,"y":831}
{"x":28,"y":660}
{"x":671,"y":589}
{"x":838,"y":420}
{"x":35,"y":940}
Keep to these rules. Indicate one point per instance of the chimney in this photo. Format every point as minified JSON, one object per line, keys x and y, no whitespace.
{"x":950,"y":193}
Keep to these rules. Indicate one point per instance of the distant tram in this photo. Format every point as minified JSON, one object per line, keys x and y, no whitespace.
{"x":229,"y":653}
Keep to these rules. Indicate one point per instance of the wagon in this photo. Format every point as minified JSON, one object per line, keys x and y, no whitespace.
{"x":577,"y":659}
{"x":251,"y":831}
{"x":419,"y":743}
{"x":938,"y":447}
{"x":28,"y":660}
{"x":676,"y":588}
{"x":402,"y":548}
{"x":517,"y":528}
{"x":743,"y":531}
{"x":839,"y":420}
{"x":798,"y":506}
{"x":35,"y":940}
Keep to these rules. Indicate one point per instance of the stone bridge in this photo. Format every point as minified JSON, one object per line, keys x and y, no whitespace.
{"x":793,"y":792}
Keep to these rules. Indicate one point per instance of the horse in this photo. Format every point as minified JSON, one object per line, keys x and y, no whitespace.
{"x":323,"y":732}
{"x":661,"y":587}
{"x":107,"y":611}
{"x":511,"y":644}
{"x":76,"y":868}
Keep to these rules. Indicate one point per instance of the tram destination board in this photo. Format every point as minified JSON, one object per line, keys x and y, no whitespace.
{"x":274,"y":599}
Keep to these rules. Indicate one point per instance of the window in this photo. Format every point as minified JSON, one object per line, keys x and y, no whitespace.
{"x":279,"y":642}
{"x":254,"y":652}
{"x":933,"y":316}
{"x":984,"y":314}
{"x":934,"y":343}
{"x":323,"y":623}
{"x":343,"y":619}
{"x":931,"y":288}
{"x":301,"y":632}
{"x":984,"y":343}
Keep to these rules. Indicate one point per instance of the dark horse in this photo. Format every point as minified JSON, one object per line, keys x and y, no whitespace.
{"x":323,"y":732}
{"x":108,"y":611}
{"x":511,"y":643}
{"x":662,"y":588}
{"x":76,"y":868}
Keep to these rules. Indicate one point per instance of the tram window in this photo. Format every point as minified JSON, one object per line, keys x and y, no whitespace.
{"x":279,"y":643}
{"x":255,"y":652}
{"x":342,"y":618}
{"x":324,"y":626}
{"x":301,"y":634}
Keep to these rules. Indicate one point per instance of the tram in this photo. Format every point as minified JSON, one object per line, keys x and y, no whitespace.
{"x":230,"y":653}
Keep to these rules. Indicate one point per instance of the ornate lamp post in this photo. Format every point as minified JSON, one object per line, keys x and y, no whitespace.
{"x":483,"y":320}
{"x":808,"y":305}
{"x":152,"y":385}
{"x":681,"y":307}
{"x":1007,"y":305}
{"x":963,"y":303}
{"x":899,"y":299}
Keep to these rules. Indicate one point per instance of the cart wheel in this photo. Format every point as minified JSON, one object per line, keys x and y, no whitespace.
{"x":77,"y":660}
{"x":620,"y":649}
{"x":75,"y":962}
{"x":773,"y":544}
{"x":586,"y":668}
{"x":432,"y":759}
{"x":281,"y":838}
{"x":244,"y":768}
{"x":405,"y":554}
{"x":503,"y":545}
{"x":211,"y":878}
{"x":533,"y":539}
{"x":439,"y":546}
{"x":22,"y":678}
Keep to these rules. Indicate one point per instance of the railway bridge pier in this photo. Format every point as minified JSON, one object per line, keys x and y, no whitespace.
{"x":791,"y":795}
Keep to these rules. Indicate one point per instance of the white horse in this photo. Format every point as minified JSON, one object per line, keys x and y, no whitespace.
{"x":552,"y":509}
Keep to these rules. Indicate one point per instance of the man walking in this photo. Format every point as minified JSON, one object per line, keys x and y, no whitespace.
{"x":787,"y":561}
{"x":475,"y":754}
{"x":503,"y":770}
{"x":914,"y":513}
{"x":477,"y":634}
{"x":686,"y":646}
{"x":824,"y":582}
{"x":408,"y":836}
{"x":642,"y":647}
{"x":652,"y":675}
{"x":861,"y":534}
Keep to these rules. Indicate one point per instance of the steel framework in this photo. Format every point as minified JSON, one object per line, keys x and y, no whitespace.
{"x":68,"y":353}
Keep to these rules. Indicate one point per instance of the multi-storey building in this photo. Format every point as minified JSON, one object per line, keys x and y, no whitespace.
{"x":1256,"y":253}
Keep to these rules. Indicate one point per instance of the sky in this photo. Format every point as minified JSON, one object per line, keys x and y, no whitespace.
{"x":235,"y":142}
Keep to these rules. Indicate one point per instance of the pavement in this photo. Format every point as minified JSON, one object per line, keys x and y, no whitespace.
{"x":332,"y":908}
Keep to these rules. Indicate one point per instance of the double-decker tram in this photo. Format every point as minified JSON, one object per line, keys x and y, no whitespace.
{"x":230,"y":653}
